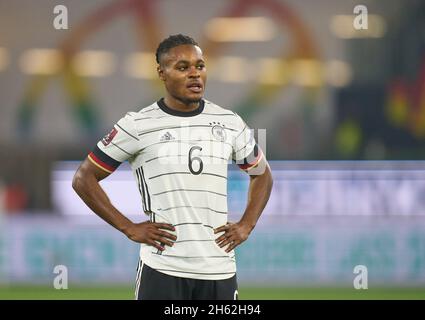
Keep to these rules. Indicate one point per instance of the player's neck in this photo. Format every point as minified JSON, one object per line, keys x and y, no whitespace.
{"x":179,"y":105}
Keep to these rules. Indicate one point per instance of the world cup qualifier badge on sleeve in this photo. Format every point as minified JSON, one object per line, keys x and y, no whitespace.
{"x":108,"y":138}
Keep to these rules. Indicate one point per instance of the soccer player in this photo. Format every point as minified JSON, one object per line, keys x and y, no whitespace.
{"x":179,"y":149}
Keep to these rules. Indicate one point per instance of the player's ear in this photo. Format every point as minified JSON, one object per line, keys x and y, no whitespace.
{"x":160,"y":71}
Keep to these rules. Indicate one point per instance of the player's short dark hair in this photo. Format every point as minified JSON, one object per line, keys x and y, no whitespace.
{"x":171,"y":42}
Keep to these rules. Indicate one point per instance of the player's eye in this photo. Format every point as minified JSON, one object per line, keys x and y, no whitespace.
{"x":182,"y":68}
{"x":200,"y":66}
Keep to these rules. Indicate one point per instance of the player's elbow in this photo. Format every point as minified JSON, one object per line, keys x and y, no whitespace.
{"x":78,"y":183}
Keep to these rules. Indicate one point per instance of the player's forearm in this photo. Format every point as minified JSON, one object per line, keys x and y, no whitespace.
{"x":90,"y":191}
{"x":259,"y":191}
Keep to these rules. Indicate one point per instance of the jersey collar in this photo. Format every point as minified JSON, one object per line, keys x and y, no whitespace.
{"x":177,"y":113}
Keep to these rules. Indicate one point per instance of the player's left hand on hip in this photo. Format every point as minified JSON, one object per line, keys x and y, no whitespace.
{"x":234,"y":234}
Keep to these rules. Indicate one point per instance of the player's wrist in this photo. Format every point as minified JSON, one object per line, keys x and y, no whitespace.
{"x":248,"y":225}
{"x":126,"y":228}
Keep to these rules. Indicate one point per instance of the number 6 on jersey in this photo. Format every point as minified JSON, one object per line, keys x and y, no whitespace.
{"x":192,"y":159}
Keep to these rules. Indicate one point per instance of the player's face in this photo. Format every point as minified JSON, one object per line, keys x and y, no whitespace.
{"x":184,"y":74}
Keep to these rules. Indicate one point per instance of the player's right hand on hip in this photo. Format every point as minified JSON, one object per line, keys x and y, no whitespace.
{"x":152,"y":233}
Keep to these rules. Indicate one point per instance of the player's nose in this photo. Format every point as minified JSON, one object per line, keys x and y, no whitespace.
{"x":194,"y":72}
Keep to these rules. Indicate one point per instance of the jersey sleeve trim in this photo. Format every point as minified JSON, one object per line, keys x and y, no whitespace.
{"x":251,"y":160}
{"x":103,"y":161}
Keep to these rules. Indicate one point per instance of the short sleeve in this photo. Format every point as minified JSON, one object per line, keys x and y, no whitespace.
{"x":246,"y":153}
{"x":117,"y":146}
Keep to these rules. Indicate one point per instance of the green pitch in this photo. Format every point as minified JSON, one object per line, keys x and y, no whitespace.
{"x":245,"y":293}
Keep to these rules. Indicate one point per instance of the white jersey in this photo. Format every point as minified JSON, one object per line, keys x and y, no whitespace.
{"x":179,"y":160}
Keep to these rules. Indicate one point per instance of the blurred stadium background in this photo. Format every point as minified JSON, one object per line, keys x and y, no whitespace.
{"x":344,"y":111}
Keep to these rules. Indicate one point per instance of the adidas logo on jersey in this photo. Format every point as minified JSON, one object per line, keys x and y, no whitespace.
{"x":167,"y":137}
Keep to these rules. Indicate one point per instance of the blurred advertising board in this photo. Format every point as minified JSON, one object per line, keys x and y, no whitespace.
{"x":312,"y":188}
{"x":296,"y":251}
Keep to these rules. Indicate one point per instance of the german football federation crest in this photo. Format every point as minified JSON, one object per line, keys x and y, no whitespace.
{"x":218,"y":131}
{"x":108,"y":138}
